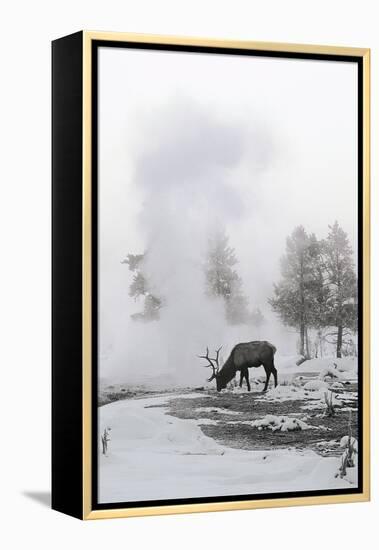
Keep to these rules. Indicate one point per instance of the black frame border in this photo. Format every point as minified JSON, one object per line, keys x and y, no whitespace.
{"x":67,"y":253}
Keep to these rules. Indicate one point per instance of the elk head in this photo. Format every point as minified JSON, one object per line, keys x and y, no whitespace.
{"x":213,"y":363}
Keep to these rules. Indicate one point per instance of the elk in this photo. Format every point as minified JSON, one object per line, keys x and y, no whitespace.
{"x":243,"y":357}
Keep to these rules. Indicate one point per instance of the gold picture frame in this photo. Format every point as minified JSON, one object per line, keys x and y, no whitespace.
{"x":81,"y":46}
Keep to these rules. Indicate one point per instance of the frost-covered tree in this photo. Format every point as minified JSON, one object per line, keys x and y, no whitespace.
{"x":318,"y":299}
{"x":139,"y":288}
{"x":341,"y":283}
{"x":256,"y":318}
{"x":219,"y":267}
{"x":295,"y":296}
{"x":222,"y":279}
{"x":236,"y":305}
{"x":318,"y":290}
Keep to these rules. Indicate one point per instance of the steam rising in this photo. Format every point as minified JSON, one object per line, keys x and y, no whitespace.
{"x":189,"y":185}
{"x":254,"y":159}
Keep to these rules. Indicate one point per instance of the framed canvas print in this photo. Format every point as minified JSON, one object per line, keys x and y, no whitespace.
{"x":210,"y":275}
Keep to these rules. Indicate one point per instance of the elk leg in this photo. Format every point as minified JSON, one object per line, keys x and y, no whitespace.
{"x":268,"y":374}
{"x":247,"y":380}
{"x":241,"y":378}
{"x":275,"y":373}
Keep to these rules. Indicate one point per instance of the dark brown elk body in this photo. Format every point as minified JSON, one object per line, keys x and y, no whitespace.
{"x":245,"y":356}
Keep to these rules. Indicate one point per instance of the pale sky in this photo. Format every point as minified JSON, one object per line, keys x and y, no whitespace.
{"x":192,"y":141}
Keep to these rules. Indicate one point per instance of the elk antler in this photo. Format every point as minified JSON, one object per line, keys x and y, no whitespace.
{"x":212,"y":363}
{"x":217,"y":354}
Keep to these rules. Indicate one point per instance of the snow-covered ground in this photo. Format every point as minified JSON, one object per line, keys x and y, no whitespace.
{"x":154,"y":456}
{"x":286,"y":364}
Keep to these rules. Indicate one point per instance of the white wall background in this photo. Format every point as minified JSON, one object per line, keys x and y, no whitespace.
{"x":27,"y":29}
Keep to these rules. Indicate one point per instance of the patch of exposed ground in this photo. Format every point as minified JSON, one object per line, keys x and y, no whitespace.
{"x":230,"y":429}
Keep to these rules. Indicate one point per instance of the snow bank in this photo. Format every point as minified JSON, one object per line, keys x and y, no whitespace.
{"x":316,"y":385}
{"x":283,"y":393}
{"x":332,"y":444}
{"x":346,"y":440}
{"x":153,"y":455}
{"x":294,"y":393}
{"x":311,"y":388}
{"x":336,"y":386}
{"x":348,"y":469}
{"x":288,"y":363}
{"x":347,"y":397}
{"x":280,"y":423}
{"x":347,"y":364}
{"x":331,"y":373}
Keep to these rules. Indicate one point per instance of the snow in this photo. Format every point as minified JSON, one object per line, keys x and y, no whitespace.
{"x":329,"y":444}
{"x":336,"y":386}
{"x":311,"y":387}
{"x":206,"y":422}
{"x":280,"y":423}
{"x":347,"y":397}
{"x":329,"y":373}
{"x":152,"y":456}
{"x":216,"y":410}
{"x":315,"y":385}
{"x":292,"y":393}
{"x":347,"y":440}
{"x":287,"y":364}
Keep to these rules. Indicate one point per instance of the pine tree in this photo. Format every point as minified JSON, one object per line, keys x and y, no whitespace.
{"x":296,"y":294}
{"x":236,"y":305}
{"x":219,"y":266}
{"x":256,"y":318}
{"x":341,"y":281}
{"x":222,"y":279}
{"x":139,"y":287}
{"x":318,"y":290}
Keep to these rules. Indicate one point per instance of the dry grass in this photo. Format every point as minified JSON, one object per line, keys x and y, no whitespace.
{"x":230,"y":432}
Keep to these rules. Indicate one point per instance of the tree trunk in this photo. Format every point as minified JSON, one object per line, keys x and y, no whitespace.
{"x":302,"y":340}
{"x":302,"y":311}
{"x":308,"y":355}
{"x":319,"y":335}
{"x":339,"y":341}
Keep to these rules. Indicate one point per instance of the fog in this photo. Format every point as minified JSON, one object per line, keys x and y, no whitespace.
{"x":192,"y":144}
